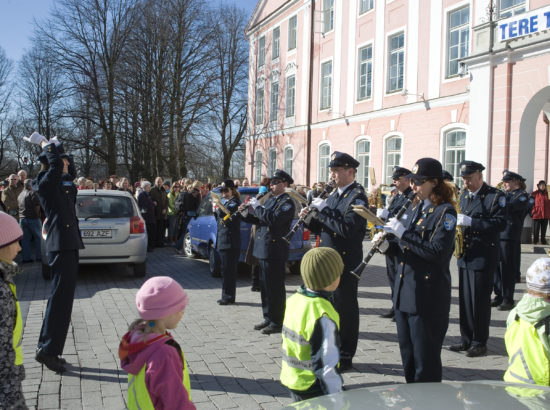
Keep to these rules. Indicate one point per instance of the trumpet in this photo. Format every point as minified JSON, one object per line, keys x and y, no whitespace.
{"x":459,"y":235}
{"x":376,"y":246}
{"x":325,"y":193}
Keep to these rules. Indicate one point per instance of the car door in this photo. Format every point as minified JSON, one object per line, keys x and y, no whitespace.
{"x":203,"y":228}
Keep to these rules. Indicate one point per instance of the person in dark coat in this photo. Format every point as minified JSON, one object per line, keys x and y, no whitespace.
{"x":422,"y":292}
{"x":482,"y":217}
{"x":160,"y":200}
{"x":272,"y":220}
{"x":147,"y":210}
{"x":30,"y":223}
{"x":228,"y":240}
{"x":186,"y":205}
{"x":57,"y":194}
{"x":343,"y":229}
{"x":508,"y":270}
{"x":540,"y":212}
{"x":402,"y":184}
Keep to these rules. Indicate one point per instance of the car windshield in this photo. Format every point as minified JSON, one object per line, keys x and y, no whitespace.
{"x":104,"y":207}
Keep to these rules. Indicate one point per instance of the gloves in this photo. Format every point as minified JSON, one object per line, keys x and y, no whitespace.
{"x":36,"y":138}
{"x":376,"y":237}
{"x":55,"y":141}
{"x":395,"y":227}
{"x":463,"y":220}
{"x":382,"y":213}
{"x":318,"y":203}
{"x":214,"y":208}
{"x":254,"y":203}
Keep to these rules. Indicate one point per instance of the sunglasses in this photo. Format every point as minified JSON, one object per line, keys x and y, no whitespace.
{"x":224,"y":190}
{"x":418,"y":181}
{"x":275,"y":181}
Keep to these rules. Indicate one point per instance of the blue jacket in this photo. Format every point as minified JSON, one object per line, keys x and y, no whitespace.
{"x":229,"y":233}
{"x":57,"y":195}
{"x":517,"y":208}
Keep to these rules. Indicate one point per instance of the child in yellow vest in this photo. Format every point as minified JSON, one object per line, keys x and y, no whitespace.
{"x":157,"y":372}
{"x":311,"y":343}
{"x":12,"y":371}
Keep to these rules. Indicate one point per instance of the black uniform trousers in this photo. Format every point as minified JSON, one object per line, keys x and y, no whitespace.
{"x":229,"y":259}
{"x":272,"y":287}
{"x":391,"y":269}
{"x":64,"y":265}
{"x":475,"y":305}
{"x":347,"y":306}
{"x":421,"y":359}
{"x":508,"y":271}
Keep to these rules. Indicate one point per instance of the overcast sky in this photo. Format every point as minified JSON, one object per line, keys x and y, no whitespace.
{"x":16,"y":22}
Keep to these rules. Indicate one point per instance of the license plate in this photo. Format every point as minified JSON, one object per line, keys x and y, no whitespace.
{"x":97,"y":233}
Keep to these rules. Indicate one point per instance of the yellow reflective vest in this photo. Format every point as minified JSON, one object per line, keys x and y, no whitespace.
{"x":527,"y":361}
{"x":17,"y":330}
{"x":138,"y":395}
{"x":302,"y":312}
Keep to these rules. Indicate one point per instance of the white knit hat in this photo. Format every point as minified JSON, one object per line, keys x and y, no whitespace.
{"x":9,"y":230}
{"x":538,"y":276}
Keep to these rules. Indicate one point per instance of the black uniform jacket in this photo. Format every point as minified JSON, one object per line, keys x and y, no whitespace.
{"x":229,"y":231}
{"x":273,"y":219}
{"x":340,"y":227}
{"x":423,"y":279}
{"x":517,"y":207}
{"x":57,"y":195}
{"x":481,"y":240}
{"x":398,"y":202}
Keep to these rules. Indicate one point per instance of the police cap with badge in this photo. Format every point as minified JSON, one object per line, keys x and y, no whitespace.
{"x":281,"y":176}
{"x":341,"y":159}
{"x":227,"y":184}
{"x":399,"y":172}
{"x":509,"y":176}
{"x":426,"y":168}
{"x":470,"y":167}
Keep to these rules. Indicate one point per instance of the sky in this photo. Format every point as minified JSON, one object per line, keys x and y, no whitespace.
{"x":16,"y":22}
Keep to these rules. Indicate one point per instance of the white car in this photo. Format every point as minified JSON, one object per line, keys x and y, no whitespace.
{"x":112,"y":230}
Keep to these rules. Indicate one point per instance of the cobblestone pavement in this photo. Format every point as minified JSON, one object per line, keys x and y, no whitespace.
{"x":231,"y":365}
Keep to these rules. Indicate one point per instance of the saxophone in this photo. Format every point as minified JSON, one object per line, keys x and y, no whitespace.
{"x":459,"y":235}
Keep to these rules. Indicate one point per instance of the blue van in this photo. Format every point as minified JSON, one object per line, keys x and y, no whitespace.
{"x":200,"y":238}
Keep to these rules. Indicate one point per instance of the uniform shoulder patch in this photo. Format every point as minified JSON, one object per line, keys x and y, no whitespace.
{"x":531,"y":200}
{"x":286,"y":207}
{"x":358,"y":202}
{"x":523,"y":198}
{"x":502,"y":201}
{"x":449,"y":222}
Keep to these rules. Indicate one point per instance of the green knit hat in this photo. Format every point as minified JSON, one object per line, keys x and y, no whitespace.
{"x":320,"y":267}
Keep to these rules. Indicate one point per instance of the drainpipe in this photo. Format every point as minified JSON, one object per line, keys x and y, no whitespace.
{"x":508,"y":113}
{"x":310,"y":94}
{"x":491,"y":93}
{"x":545,"y":119}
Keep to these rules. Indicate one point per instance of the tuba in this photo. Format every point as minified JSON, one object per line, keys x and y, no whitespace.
{"x":459,"y":235}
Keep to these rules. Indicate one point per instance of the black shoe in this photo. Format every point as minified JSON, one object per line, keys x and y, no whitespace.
{"x":506,"y":306}
{"x":260,"y":326}
{"x":345,"y":365}
{"x":462,"y":347}
{"x":269,"y":330}
{"x":388,"y":315}
{"x":255,"y":288}
{"x":225,"y":302}
{"x":496,"y":302}
{"x":54,"y":363}
{"x":476,"y":351}
{"x":543,"y":242}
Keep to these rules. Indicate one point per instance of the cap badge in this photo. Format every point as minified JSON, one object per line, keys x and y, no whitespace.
{"x":463,"y":168}
{"x":332,"y":157}
{"x":415,"y":169}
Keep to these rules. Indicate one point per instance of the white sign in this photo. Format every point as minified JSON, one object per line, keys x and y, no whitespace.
{"x":524,"y":24}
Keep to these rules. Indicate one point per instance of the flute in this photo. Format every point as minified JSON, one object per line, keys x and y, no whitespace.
{"x":325,"y":193}
{"x":376,"y":246}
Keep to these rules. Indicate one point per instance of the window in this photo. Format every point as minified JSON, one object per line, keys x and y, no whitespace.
{"x":274,"y":101}
{"x":365,"y":5}
{"x":328,"y":15}
{"x":258,"y":167}
{"x":261,"y":52}
{"x":290,"y":95}
{"x":272,"y":161}
{"x":324,"y":153}
{"x":364,"y":82}
{"x":275,"y":43}
{"x":393,"y":157}
{"x":509,"y":8}
{"x":458,"y":38}
{"x":363,"y":156}
{"x":260,"y":106}
{"x":455,"y":152}
{"x":326,"y":85}
{"x":396,"y":62}
{"x":292,"y":25}
{"x":289,"y":155}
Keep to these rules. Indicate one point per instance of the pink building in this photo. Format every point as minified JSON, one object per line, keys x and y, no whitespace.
{"x":391,"y":81}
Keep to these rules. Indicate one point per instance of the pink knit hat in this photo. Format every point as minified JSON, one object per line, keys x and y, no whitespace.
{"x":159,"y":297}
{"x":9,"y":230}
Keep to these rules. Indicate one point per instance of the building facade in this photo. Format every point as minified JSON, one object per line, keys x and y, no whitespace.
{"x":391,"y":81}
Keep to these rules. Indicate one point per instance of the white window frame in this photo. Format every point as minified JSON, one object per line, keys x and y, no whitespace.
{"x":365,"y":6}
{"x":368,"y":62}
{"x":328,"y":15}
{"x":271,"y":160}
{"x":288,"y":158}
{"x":511,"y":10}
{"x":276,"y":43}
{"x":290,"y":106}
{"x":391,"y":52}
{"x":363,"y":169}
{"x":325,"y":86}
{"x":292,"y":32}
{"x":274,"y":101}
{"x":261,"y":51}
{"x":388,"y":168}
{"x":453,"y":168}
{"x":462,"y":46}
{"x":259,"y":117}
{"x":258,"y":159}
{"x":321,"y":161}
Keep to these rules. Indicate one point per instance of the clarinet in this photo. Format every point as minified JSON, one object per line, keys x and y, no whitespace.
{"x":325,"y":193}
{"x":244,"y":212}
{"x":375,"y":247}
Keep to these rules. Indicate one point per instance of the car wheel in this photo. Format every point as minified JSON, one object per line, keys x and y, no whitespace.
{"x":187,"y":249}
{"x":294,"y":267}
{"x":214,"y":262}
{"x":140,"y":269}
{"x":46,"y":271}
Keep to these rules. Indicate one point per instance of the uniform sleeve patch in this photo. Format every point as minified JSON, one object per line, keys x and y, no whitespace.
{"x":502,"y":201}
{"x":286,"y":207}
{"x":450,"y":222}
{"x":531,"y":200}
{"x":359,"y":202}
{"x":523,"y":198}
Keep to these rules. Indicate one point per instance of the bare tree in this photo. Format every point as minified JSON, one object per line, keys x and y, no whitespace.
{"x":5,"y":91}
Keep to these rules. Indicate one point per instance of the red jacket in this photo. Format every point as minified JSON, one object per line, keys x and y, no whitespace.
{"x":541,"y":208}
